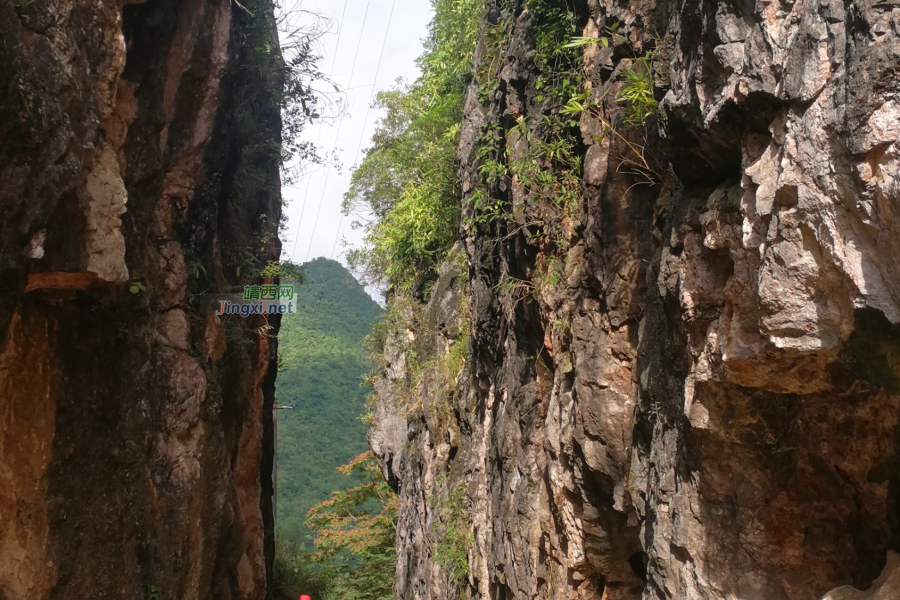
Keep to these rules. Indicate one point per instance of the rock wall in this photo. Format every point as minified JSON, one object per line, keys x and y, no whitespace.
{"x":690,"y":389}
{"x":135,"y":425}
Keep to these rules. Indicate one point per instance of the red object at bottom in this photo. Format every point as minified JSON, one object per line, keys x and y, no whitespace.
{"x":304,"y":597}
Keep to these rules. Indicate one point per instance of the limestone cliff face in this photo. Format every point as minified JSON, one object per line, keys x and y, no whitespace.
{"x":692,"y":390}
{"x":135,"y":428}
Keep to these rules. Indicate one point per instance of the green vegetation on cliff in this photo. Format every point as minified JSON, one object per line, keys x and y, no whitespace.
{"x":323,"y":364}
{"x":407,"y":180}
{"x":408,"y":183}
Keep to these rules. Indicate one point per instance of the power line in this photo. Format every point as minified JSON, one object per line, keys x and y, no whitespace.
{"x":337,"y":134}
{"x":362,"y":131}
{"x":319,"y":133}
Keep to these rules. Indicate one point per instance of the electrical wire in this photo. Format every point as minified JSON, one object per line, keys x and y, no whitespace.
{"x":319,"y":133}
{"x":366,"y":118}
{"x":337,"y":134}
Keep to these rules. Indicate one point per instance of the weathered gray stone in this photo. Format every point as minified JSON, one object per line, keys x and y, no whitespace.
{"x":704,"y":406}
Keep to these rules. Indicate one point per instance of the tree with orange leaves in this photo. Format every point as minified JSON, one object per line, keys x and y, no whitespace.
{"x":355,"y":532}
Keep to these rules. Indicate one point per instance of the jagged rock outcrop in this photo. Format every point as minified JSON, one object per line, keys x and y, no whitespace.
{"x":135,"y":425}
{"x":690,"y":389}
{"x":885,"y":587}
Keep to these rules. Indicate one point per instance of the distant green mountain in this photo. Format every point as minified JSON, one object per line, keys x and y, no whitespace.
{"x":322,"y":363}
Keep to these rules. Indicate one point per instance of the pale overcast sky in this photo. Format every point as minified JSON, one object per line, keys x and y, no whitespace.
{"x":362,"y":32}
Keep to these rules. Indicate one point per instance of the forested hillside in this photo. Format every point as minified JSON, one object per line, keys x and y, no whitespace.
{"x":323,"y":362}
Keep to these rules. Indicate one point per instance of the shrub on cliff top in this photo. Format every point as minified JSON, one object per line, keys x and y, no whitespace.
{"x":405,"y":189}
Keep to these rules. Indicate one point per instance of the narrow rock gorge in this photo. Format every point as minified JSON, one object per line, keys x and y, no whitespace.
{"x":676,"y":374}
{"x":139,"y":171}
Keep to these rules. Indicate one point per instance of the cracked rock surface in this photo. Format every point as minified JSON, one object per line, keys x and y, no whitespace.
{"x":135,"y":448}
{"x":702,"y":403}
